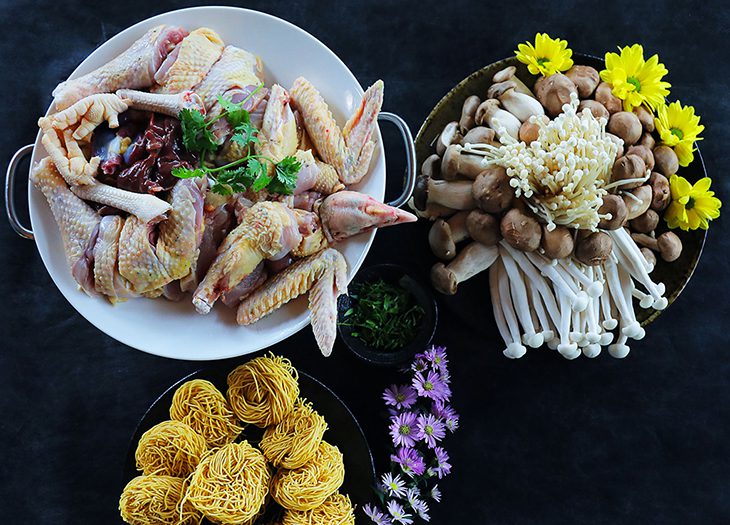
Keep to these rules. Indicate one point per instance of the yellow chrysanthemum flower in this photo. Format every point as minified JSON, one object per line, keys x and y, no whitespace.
{"x":547,"y":56}
{"x":679,"y":128}
{"x":634,"y":80}
{"x":692,"y":207}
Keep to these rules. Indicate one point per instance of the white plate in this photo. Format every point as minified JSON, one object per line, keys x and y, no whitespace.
{"x":175,"y":330}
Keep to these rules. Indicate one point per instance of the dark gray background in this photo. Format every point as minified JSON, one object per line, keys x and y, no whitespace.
{"x":543,"y":440}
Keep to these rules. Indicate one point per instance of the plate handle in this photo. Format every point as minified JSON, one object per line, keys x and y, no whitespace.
{"x":410,"y":175}
{"x":21,"y":230}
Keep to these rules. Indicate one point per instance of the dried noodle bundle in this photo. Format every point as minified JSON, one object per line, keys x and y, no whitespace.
{"x":336,"y":510}
{"x":230,"y":485}
{"x":294,"y":441}
{"x":307,"y":487}
{"x":200,"y":405}
{"x":263,"y":390}
{"x":157,"y":500}
{"x":170,"y":448}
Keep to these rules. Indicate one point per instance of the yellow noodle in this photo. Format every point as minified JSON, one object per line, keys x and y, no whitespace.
{"x":263,"y":390}
{"x":336,"y":510}
{"x":231,"y":484}
{"x":307,"y":487}
{"x":295,"y":439}
{"x":157,"y":500}
{"x":170,"y":448}
{"x":200,"y":405}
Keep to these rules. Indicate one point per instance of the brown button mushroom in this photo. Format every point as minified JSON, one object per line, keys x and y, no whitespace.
{"x":596,"y":108}
{"x":649,"y":256}
{"x":491,"y":190}
{"x":629,"y":167}
{"x":558,"y":243}
{"x":449,"y":136}
{"x":645,"y":117}
{"x":585,"y":78}
{"x":529,"y":132}
{"x":457,"y":163}
{"x":554,"y":92}
{"x":483,"y":227}
{"x":637,"y":201}
{"x":668,"y":244}
{"x":444,"y":235}
{"x":645,"y":154}
{"x":468,"y":110}
{"x":431,"y":167}
{"x":665,"y":160}
{"x":647,"y":139}
{"x":625,"y":126}
{"x":616,"y":207}
{"x":479,"y":135}
{"x":520,"y":230}
{"x":594,"y":249}
{"x":661,"y":195}
{"x":605,"y":96}
{"x":646,"y":222}
{"x":473,"y":259}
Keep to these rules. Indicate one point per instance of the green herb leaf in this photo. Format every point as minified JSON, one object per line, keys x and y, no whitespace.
{"x":197,"y":138}
{"x":285,"y":178}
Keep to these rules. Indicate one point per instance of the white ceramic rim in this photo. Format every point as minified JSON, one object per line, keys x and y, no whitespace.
{"x":60,"y":274}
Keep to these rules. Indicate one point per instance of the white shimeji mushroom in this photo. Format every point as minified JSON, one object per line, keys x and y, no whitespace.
{"x":502,"y":303}
{"x":519,"y":297}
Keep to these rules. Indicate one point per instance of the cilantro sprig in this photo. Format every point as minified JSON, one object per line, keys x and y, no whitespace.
{"x":248,"y":172}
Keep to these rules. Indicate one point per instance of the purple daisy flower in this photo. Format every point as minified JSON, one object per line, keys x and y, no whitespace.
{"x":420,"y":363}
{"x":403,"y":429}
{"x":436,"y":355}
{"x":376,"y":515}
{"x":431,"y":429}
{"x":410,"y":461}
{"x":400,"y":396}
{"x":447,"y":413}
{"x":398,"y":513}
{"x":431,"y":386}
{"x":394,"y":486}
{"x":443,"y":467}
{"x":436,"y":494}
{"x":420,"y":507}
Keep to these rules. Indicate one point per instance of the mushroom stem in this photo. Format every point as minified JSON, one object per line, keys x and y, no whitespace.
{"x":645,"y":300}
{"x":593,"y":288}
{"x":629,"y":326}
{"x":567,"y":349}
{"x":538,"y":306}
{"x":473,"y":259}
{"x":629,"y":255}
{"x":515,"y":349}
{"x":452,"y":194}
{"x":578,"y":300}
{"x":619,"y":349}
{"x":497,"y":306}
{"x":627,"y":286}
{"x":519,"y":297}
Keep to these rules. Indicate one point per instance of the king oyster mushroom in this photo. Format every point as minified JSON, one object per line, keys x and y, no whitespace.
{"x":520,"y":105}
{"x":498,"y":119}
{"x":457,"y":163}
{"x":510,"y":73}
{"x":473,"y":259}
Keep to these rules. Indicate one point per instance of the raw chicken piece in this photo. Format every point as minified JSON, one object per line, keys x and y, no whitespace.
{"x":107,"y":279}
{"x":187,"y":65}
{"x":315,"y":175}
{"x":324,"y":275}
{"x":135,"y":68}
{"x":138,"y":262}
{"x":77,"y":221}
{"x":64,"y":132}
{"x":236,"y":70}
{"x":278,"y":136}
{"x":167,"y":104}
{"x":348,"y":151}
{"x":268,"y":231}
{"x":148,"y":208}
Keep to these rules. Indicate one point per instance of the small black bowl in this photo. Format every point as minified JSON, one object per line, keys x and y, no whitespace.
{"x":396,"y":275}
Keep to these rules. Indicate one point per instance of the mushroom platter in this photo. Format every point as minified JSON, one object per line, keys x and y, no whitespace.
{"x":561,"y":180}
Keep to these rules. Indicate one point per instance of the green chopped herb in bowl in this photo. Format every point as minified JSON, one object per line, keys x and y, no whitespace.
{"x":382,"y":315}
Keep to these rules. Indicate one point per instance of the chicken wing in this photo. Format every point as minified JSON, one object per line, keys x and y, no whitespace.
{"x":135,"y":68}
{"x":187,"y":65}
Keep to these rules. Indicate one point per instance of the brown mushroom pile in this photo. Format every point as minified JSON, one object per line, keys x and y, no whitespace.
{"x":563,"y":284}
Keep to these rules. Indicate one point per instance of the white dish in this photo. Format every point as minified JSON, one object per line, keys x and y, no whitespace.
{"x":175,"y":330}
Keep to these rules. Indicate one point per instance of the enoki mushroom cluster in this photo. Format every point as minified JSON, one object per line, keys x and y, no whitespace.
{"x":200,"y":465}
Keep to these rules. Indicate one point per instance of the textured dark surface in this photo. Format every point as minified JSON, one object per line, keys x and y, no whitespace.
{"x":543,"y":440}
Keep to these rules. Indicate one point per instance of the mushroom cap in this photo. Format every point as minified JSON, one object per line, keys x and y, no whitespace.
{"x":479,"y":135}
{"x":443,"y":279}
{"x":628,"y":167}
{"x":666,"y":161}
{"x":626,"y":126}
{"x":605,"y":96}
{"x":648,"y":140}
{"x":420,"y":193}
{"x":500,"y":88}
{"x":529,"y":132}
{"x":441,"y":241}
{"x":504,"y":74}
{"x":449,"y":135}
{"x":616,"y":206}
{"x":585,"y":78}
{"x":670,"y":246}
{"x":594,"y":249}
{"x":597,"y":109}
{"x":485,"y":110}
{"x":636,"y":208}
{"x":520,"y":230}
{"x":645,"y":117}
{"x":645,"y":153}
{"x":661,"y":194}
{"x":468,"y":110}
{"x":431,"y":167}
{"x":492,"y":191}
{"x":646,"y":222}
{"x":553,"y":91}
{"x":649,"y":256}
{"x":483,"y":227}
{"x":558,"y":243}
